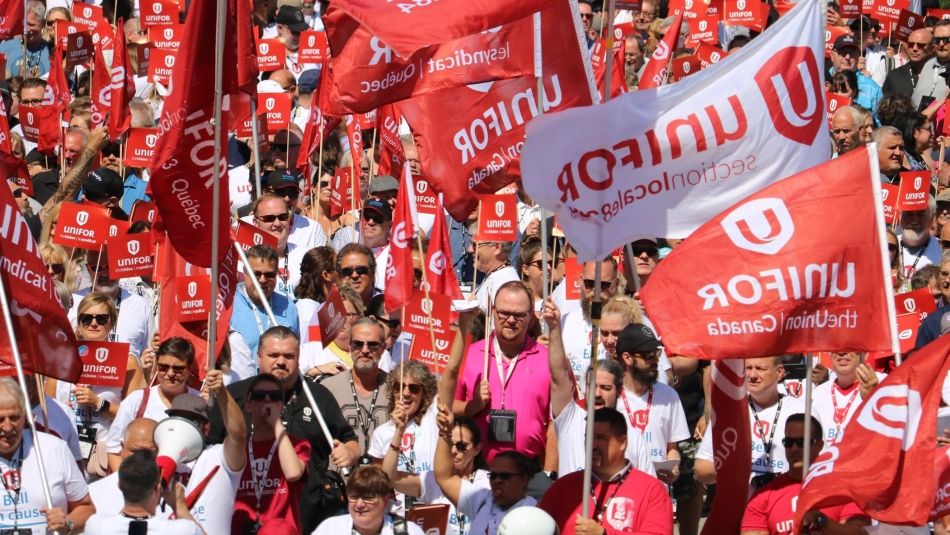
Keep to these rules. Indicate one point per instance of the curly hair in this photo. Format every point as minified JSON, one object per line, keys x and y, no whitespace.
{"x":420,"y":373}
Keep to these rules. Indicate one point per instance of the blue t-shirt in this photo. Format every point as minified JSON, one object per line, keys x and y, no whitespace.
{"x":251,"y":321}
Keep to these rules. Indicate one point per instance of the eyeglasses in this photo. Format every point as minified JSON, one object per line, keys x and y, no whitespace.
{"x":462,"y":447}
{"x":101,"y":319}
{"x":503,"y":476}
{"x":368,"y":500}
{"x":505,"y":315}
{"x":788,"y":442}
{"x":291,"y":193}
{"x":50,"y":23}
{"x":587,"y":15}
{"x":941,"y":40}
{"x":270,"y":218}
{"x":324,"y":184}
{"x":604,"y":285}
{"x":648,"y":355}
{"x":913,"y":44}
{"x":945,"y":274}
{"x":265,"y":274}
{"x":414,"y":388}
{"x":57,"y":269}
{"x":175,"y":369}
{"x":375,"y":218}
{"x":269,"y":395}
{"x":372,"y":345}
{"x":538,"y":264}
{"x":359,"y":270}
{"x":650,"y":250}
{"x":31,"y":101}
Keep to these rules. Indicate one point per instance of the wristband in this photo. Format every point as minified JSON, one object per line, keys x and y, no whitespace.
{"x":395,"y":448}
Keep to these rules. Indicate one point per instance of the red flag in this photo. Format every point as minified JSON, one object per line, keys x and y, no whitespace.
{"x":399,"y":264}
{"x":892,"y":436}
{"x":942,"y":473}
{"x":57,"y":87}
{"x":408,"y":26}
{"x":41,"y":329}
{"x":656,"y":70}
{"x":781,"y":284}
{"x":313,"y":136}
{"x":247,"y":71}
{"x":439,"y":273}
{"x":354,"y":133}
{"x":470,"y":138}
{"x":366,"y":74}
{"x":11,"y":24}
{"x":40,"y":125}
{"x":122,"y":86}
{"x":731,"y":443}
{"x":391,"y":153}
{"x":598,"y":60}
{"x":101,"y":91}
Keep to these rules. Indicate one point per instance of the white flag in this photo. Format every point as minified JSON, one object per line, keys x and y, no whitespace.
{"x":661,"y":162}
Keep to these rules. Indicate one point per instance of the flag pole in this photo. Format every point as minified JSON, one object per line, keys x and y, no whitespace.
{"x":628,"y":249}
{"x":21,"y":379}
{"x":219,"y":30}
{"x":809,"y":366}
{"x":538,"y":73}
{"x":255,"y":149}
{"x":882,"y":242}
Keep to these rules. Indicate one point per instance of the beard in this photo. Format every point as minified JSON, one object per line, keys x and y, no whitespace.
{"x":914,"y":238}
{"x":647,"y":376}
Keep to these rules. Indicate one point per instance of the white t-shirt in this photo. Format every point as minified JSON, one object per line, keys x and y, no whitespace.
{"x":490,"y":285}
{"x":760,"y":436}
{"x":432,"y":494}
{"x":478,"y":505}
{"x":215,"y":506}
{"x":116,"y":524}
{"x":66,"y":483}
{"x":382,"y":258}
{"x":135,"y":324}
{"x":84,"y":413}
{"x":826,"y":397}
{"x":243,"y":360}
{"x":155,"y":410}
{"x":61,"y":424}
{"x":108,"y":499}
{"x":665,"y":423}
{"x":571,"y":428}
{"x":343,"y":525}
{"x":240,"y":187}
{"x":559,"y":296}
{"x":418,"y":443}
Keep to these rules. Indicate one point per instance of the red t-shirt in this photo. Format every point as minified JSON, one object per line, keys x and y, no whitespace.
{"x":640,"y":505}
{"x":279,"y":499}
{"x":772,"y":508}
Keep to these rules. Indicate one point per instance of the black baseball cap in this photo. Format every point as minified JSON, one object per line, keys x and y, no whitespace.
{"x":292,"y":17}
{"x":102,"y":184}
{"x":380,"y":207}
{"x":283,"y":178}
{"x":37,"y":157}
{"x":637,"y":338}
{"x":845,"y":41}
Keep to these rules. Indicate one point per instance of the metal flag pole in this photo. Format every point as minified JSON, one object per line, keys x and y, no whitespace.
{"x":219,"y":30}
{"x":255,"y":149}
{"x":21,"y":378}
{"x":538,"y":73}
{"x":809,"y":367}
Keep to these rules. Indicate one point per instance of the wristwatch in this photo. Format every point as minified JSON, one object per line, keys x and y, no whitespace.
{"x":69,"y":523}
{"x":103,"y":407}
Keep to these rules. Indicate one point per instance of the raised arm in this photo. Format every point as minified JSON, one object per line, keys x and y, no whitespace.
{"x":445,"y":476}
{"x":453,"y":367}
{"x":561,"y":386}
{"x":77,"y":174}
{"x":235,"y":442}
{"x":405,"y":483}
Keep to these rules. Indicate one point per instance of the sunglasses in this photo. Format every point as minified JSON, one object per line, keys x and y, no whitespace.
{"x":414,"y":388}
{"x":57,"y":269}
{"x":912,"y":44}
{"x":505,"y":315}
{"x":604,"y":285}
{"x":101,"y":319}
{"x":176,"y":369}
{"x":788,"y":442}
{"x":269,"y":395}
{"x":462,"y":447}
{"x":324,"y":184}
{"x":892,"y":247}
{"x":941,"y":40}
{"x":650,"y":250}
{"x":359,"y":270}
{"x":265,"y":274}
{"x":944,"y":244}
{"x":291,"y":193}
{"x":31,"y":101}
{"x":372,"y":345}
{"x":375,"y":218}
{"x":587,"y":15}
{"x":502,"y":476}
{"x":417,"y":273}
{"x":273,"y":217}
{"x":372,"y":500}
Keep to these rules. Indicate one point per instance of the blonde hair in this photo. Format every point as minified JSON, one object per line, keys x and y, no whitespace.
{"x":95,"y":299}
{"x":626,"y":307}
{"x":56,"y":254}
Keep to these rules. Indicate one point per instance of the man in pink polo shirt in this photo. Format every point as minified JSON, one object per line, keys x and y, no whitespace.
{"x":512,"y":407}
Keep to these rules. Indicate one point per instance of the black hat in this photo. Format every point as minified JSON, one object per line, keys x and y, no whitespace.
{"x":637,"y":338}
{"x":283,"y":178}
{"x":845,"y":41}
{"x":189,"y":406}
{"x":102,"y":184}
{"x":380,"y":207}
{"x":37,"y":157}
{"x":292,"y":17}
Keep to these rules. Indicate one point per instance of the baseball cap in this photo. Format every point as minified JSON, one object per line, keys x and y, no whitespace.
{"x":189,"y":406}
{"x":845,"y":41}
{"x":637,"y":338}
{"x":944,"y":196}
{"x":283,"y":178}
{"x":37,"y":157}
{"x":380,"y":207}
{"x":383,"y":183}
{"x":307,"y":81}
{"x":102,"y":184}
{"x":292,"y":17}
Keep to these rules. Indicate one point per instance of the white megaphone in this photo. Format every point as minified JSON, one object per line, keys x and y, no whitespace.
{"x":527,"y":521}
{"x":178,"y":441}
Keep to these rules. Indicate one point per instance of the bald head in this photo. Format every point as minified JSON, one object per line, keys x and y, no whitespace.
{"x":285,"y":78}
{"x":846,"y":129}
{"x":138,"y":436}
{"x":919,"y":45}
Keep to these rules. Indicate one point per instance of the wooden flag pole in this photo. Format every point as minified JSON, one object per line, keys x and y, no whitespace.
{"x":220,"y":20}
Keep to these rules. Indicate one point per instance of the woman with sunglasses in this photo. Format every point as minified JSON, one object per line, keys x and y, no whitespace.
{"x":530,"y":266}
{"x":271,"y":484}
{"x":320,"y":210}
{"x":370,"y":495}
{"x":483,"y":508}
{"x":466,"y":451}
{"x":59,"y":265}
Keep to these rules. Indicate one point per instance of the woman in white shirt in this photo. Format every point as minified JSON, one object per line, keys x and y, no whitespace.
{"x":370,"y":495}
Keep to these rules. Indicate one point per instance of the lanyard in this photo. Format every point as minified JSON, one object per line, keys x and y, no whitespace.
{"x":16,"y":462}
{"x":599,"y":504}
{"x":842,"y":413}
{"x":257,"y":317}
{"x":768,"y":445}
{"x":259,"y":486}
{"x":631,"y":414}
{"x":113,"y":335}
{"x":501,"y":375}
{"x":363,"y":417}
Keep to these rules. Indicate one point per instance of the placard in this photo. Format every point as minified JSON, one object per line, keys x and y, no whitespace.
{"x":143,"y":211}
{"x":832,"y":33}
{"x":130,"y":255}
{"x":271,"y":55}
{"x":160,"y":65}
{"x":573,"y":278}
{"x":167,"y":38}
{"x":834,"y":103}
{"x":435,"y":358}
{"x":920,"y":302}
{"x":103,"y":363}
{"x":81,"y":225}
{"x":497,"y":218}
{"x":889,"y":196}
{"x":748,"y":13}
{"x":888,"y":10}
{"x":341,"y":192}
{"x":424,"y":310}
{"x":683,"y":66}
{"x":79,"y":48}
{"x":248,"y":236}
{"x":331,"y":315}
{"x":158,"y":12}
{"x":704,"y":29}
{"x":88,"y":15}
{"x":433,"y":519}
{"x":907,"y":327}
{"x":140,"y":147}
{"x":913,"y":191}
{"x":427,"y":200}
{"x":709,"y":55}
{"x":314,"y":47}
{"x":907,"y":22}
{"x":850,"y":9}
{"x":276,"y":106}
{"x":193,"y":298}
{"x":30,"y":117}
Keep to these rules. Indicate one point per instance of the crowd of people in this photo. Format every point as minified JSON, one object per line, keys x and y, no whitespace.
{"x":350,"y":434}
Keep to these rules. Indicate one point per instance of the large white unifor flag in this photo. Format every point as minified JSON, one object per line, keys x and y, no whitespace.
{"x":661,"y":162}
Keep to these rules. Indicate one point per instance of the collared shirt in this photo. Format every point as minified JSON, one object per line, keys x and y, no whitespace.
{"x":251,"y":321}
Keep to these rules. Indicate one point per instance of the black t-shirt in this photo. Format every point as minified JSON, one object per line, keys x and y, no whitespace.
{"x":690,"y":389}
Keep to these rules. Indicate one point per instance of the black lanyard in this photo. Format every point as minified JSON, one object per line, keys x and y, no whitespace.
{"x":599,"y":504}
{"x":16,"y":462}
{"x":363,"y":417}
{"x":768,"y":445}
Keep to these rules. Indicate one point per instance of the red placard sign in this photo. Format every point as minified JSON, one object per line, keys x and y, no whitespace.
{"x":103,"y":363}
{"x":423,"y":311}
{"x":313,"y":47}
{"x":888,"y":10}
{"x":832,"y":33}
{"x":914,"y":189}
{"x":907,"y":327}
{"x":889,"y":195}
{"x":160,"y":64}
{"x":277,"y":108}
{"x":709,"y":55}
{"x":30,"y":118}
{"x":749,"y":13}
{"x":143,"y":211}
{"x":704,"y":29}
{"x":81,"y":225}
{"x":573,"y":278}
{"x":142,"y":53}
{"x":907,"y":23}
{"x":427,"y":200}
{"x":497,"y":218}
{"x":193,"y":293}
{"x":271,"y":55}
{"x":158,"y":12}
{"x":435,"y":358}
{"x":130,"y":255}
{"x":167,"y":37}
{"x":331,"y":315}
{"x":430,"y":518}
{"x":88,"y":15}
{"x":835,"y":101}
{"x":920,"y":302}
{"x":248,"y":236}
{"x":939,"y":13}
{"x":850,"y":9}
{"x":341,"y":192}
{"x":79,"y":48}
{"x":684,"y":66}
{"x":140,"y":147}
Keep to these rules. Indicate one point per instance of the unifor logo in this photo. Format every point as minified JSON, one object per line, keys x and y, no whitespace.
{"x":113,"y":231}
{"x":82,"y":218}
{"x":168,"y":33}
{"x":258,"y":239}
{"x":29,"y":117}
{"x":499,"y":208}
{"x":102,"y":354}
{"x":263,"y":48}
{"x":662,"y":51}
{"x":918,"y":181}
{"x":270,"y":102}
{"x":330,"y":311}
{"x":133,"y":247}
{"x":910,"y":305}
{"x":893,"y":411}
{"x":714,"y":57}
{"x":427,"y":305}
{"x":421,"y":187}
{"x":400,"y":240}
{"x":192,"y":289}
{"x":151,"y":140}
{"x":833,"y":105}
{"x":311,"y":41}
{"x":761,"y":225}
{"x":437,"y":262}
{"x":703,"y":24}
{"x":910,"y":22}
{"x":686,"y":67}
{"x":884,"y":194}
{"x":169,"y":61}
{"x":157,"y":8}
{"x":79,"y":41}
{"x":441,"y":345}
{"x":740,"y":5}
{"x":791,"y":86}
{"x":87,"y":12}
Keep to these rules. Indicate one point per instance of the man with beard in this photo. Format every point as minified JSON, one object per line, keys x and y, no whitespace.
{"x":637,"y":503}
{"x":919,"y":249}
{"x":652,"y":408}
{"x":577,"y":323}
{"x":570,"y":419}
{"x":249,"y":317}
{"x":930,"y":329}
{"x":835,"y":402}
{"x":513,"y":400}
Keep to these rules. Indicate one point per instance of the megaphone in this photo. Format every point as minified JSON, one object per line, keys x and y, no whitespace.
{"x":178,"y":441}
{"x":527,"y":521}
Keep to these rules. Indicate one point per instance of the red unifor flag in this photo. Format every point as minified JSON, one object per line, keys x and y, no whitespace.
{"x":313,"y":136}
{"x":122,"y":86}
{"x":392,"y":155}
{"x":101,"y":90}
{"x":942,"y":473}
{"x":11,"y":22}
{"x":470,"y":138}
{"x":354,"y":134}
{"x":731,"y":438}
{"x":399,"y":277}
{"x":776,"y":282}
{"x":182,"y":175}
{"x":367,"y":74}
{"x":440,"y":274}
{"x":892,"y":438}
{"x":57,"y":87}
{"x":41,"y":329}
{"x":657,"y":68}
{"x":408,"y":26}
{"x":598,"y":60}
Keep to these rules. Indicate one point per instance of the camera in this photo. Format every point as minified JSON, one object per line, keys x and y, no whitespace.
{"x":501,"y":426}
{"x":762,"y":480}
